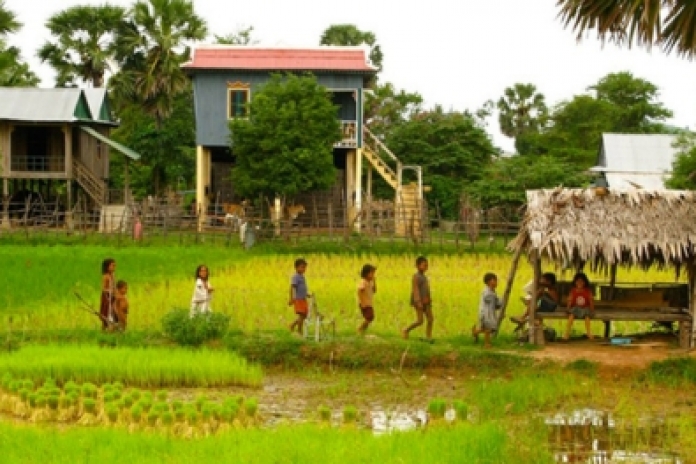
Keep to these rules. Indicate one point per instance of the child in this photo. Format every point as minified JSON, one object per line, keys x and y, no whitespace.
{"x":580,"y":304}
{"x":546,"y":300}
{"x":489,"y":304}
{"x":366,"y":290}
{"x":121,"y":304}
{"x":298,"y":295}
{"x":107,"y":295}
{"x":420,"y":300}
{"x":202,"y":292}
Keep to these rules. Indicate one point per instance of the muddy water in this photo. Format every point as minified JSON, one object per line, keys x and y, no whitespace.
{"x":596,"y":437}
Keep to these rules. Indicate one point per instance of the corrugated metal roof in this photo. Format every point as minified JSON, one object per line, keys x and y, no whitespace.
{"x":39,"y":105}
{"x":323,"y":58}
{"x":626,"y":181}
{"x":652,"y":153}
{"x":114,"y":144}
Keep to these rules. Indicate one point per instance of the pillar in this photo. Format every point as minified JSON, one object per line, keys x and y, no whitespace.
{"x":202,"y":183}
{"x":350,"y":185}
{"x":69,"y":206}
{"x":358,"y":186}
{"x":5,"y":204}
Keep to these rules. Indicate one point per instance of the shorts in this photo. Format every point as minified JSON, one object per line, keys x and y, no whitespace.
{"x":486,"y":323}
{"x":301,"y":307}
{"x":581,"y":313}
{"x":546,"y":305}
{"x":368,"y":313}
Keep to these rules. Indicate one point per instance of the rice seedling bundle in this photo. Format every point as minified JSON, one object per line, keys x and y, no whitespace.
{"x":145,"y":367}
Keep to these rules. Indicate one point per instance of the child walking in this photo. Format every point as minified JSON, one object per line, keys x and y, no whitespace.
{"x":366,"y":290}
{"x":121,"y":304}
{"x":580,"y":304}
{"x":108,"y":292}
{"x":298,"y":295}
{"x":420,"y":300}
{"x":488,"y":305}
{"x":202,"y":292}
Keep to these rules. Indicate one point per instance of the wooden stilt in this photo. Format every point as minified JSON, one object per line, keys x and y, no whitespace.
{"x":536,"y":335}
{"x":508,"y":286}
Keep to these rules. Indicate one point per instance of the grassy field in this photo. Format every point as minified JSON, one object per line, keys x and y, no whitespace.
{"x":38,"y":288}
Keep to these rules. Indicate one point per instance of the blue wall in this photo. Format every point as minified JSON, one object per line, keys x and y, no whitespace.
{"x":210,"y":100}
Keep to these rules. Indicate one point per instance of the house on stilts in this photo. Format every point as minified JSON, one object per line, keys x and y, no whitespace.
{"x":225,"y":78}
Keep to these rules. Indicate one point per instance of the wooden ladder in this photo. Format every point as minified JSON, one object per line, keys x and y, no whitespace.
{"x":94,"y":186}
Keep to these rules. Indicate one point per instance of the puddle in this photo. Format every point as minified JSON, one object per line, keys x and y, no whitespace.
{"x":591,"y":436}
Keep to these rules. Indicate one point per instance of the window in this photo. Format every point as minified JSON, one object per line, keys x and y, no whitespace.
{"x":237,"y":100}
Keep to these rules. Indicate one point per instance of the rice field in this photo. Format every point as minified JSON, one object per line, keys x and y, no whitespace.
{"x":252,"y":289}
{"x":142,"y":367}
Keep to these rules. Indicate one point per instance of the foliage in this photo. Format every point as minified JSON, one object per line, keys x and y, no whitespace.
{"x":194,"y":331}
{"x":83,"y":43}
{"x":168,"y":153}
{"x":506,"y":180}
{"x":386,"y":108}
{"x":668,"y":24}
{"x":13,"y":72}
{"x":684,"y":165}
{"x":452,"y":149}
{"x":286,"y":145}
{"x":349,"y":34}
{"x":8,"y":20}
{"x":522,"y":109}
{"x":242,"y":36}
{"x":142,"y":367}
{"x":674,"y":371}
{"x":150,"y":48}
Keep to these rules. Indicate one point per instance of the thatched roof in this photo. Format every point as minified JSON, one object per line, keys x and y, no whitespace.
{"x":604,"y":227}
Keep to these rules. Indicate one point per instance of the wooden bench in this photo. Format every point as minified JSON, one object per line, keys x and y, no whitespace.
{"x":641,"y":304}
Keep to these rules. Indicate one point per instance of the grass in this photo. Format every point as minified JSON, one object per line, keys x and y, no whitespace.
{"x":486,"y":443}
{"x":144,"y":367}
{"x":250,"y":288}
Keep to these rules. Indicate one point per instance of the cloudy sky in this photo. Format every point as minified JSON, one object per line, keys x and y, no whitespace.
{"x":457,"y":53}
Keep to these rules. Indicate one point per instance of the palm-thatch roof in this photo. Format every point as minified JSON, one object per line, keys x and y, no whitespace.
{"x":604,"y":227}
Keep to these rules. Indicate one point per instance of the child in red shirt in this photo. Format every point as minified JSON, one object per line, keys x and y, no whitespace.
{"x":580,"y":304}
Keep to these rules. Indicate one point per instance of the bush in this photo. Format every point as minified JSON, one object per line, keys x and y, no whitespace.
{"x":194,"y":331}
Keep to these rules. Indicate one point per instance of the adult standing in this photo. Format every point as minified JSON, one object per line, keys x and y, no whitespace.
{"x":106,"y":307}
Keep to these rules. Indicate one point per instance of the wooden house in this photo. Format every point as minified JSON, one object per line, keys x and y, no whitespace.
{"x":56,"y":136}
{"x":225,"y":78}
{"x":606,"y":229}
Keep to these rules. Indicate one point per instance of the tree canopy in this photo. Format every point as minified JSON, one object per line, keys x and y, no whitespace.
{"x":521,"y":109}
{"x":684,"y":165}
{"x":83,"y":46}
{"x":286,"y":145}
{"x":670,"y":24}
{"x":242,"y":36}
{"x":14,"y":72}
{"x":349,"y":34}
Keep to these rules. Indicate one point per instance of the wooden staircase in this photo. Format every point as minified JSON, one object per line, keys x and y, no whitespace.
{"x":94,"y":186}
{"x":409,"y":197}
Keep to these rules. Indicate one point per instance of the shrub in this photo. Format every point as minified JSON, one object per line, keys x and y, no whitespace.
{"x":53,"y":401}
{"x":89,"y":390}
{"x":350,"y":414}
{"x":437,"y":408}
{"x":194,"y":331}
{"x":461,"y":410}
{"x":111,"y":412}
{"x":167,"y":418}
{"x":251,"y":407}
{"x":324,"y":413}
{"x":90,"y":405}
{"x":152,"y":417}
{"x":136,"y":412}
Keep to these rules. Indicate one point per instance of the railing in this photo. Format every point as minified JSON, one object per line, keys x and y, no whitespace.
{"x":53,"y":163}
{"x":93,"y":185}
{"x":380,"y":145}
{"x":349,"y":137}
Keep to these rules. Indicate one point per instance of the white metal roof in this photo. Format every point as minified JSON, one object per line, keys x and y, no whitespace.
{"x":637,"y":159}
{"x":35,"y":104}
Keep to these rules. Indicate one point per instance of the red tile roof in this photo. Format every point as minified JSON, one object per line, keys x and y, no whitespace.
{"x":346,"y":59}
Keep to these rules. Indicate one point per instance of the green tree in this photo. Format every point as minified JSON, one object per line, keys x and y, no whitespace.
{"x":386,"y":108}
{"x":505,"y":181}
{"x":286,"y":145}
{"x":636,"y":101}
{"x":171,"y":148}
{"x":349,"y":34}
{"x":13,"y":71}
{"x":83,"y":43}
{"x":670,"y":24}
{"x":452,"y":148}
{"x":151,"y":47}
{"x":242,"y":36}
{"x":521,"y":109}
{"x":684,"y":165}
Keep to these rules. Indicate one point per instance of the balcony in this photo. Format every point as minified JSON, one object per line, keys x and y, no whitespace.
{"x":349,"y":135}
{"x":37,"y":164}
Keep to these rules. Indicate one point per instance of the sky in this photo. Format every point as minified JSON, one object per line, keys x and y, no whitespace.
{"x":456,"y":53}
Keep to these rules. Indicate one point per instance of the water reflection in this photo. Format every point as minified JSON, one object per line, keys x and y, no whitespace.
{"x":596,"y":437}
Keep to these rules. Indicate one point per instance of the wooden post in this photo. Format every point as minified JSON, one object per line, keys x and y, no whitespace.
{"x":612,"y":286}
{"x":686,"y":329}
{"x":508,"y":286}
{"x":5,"y":204}
{"x":534,"y":337}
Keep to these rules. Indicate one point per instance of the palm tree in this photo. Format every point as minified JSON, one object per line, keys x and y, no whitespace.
{"x":151,"y":48}
{"x":8,"y":20}
{"x":84,"y":43}
{"x":670,"y":24}
{"x":522,"y":109}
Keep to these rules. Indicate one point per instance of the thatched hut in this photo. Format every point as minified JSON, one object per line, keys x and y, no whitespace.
{"x":606,"y":229}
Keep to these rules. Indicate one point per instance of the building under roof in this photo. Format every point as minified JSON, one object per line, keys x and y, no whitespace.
{"x":636,"y":160}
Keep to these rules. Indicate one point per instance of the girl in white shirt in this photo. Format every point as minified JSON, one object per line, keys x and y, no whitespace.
{"x":202,"y":292}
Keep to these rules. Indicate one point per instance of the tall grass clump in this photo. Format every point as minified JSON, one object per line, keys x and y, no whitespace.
{"x":144,"y":367}
{"x":674,"y":371}
{"x":185,"y":330}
